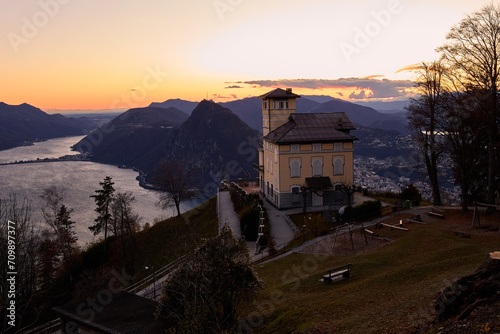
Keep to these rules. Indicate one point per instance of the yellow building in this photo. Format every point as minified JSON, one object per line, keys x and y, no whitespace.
{"x":303,"y":154}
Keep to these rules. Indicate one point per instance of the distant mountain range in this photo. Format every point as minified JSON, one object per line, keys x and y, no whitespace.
{"x":219,"y":139}
{"x":183,"y":105}
{"x":24,"y":124}
{"x":365,"y":116}
{"x":249,"y":111}
{"x":213,"y":140}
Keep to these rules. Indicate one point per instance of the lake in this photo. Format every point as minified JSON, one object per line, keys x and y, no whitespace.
{"x":78,"y":180}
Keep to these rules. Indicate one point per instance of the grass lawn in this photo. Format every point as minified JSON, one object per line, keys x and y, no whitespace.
{"x":391,"y":289}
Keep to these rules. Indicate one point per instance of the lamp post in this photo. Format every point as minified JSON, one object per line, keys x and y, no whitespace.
{"x":154,"y":280}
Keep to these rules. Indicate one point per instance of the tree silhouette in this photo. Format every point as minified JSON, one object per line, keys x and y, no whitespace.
{"x":173,"y":179}
{"x":103,"y":199}
{"x":203,"y":294}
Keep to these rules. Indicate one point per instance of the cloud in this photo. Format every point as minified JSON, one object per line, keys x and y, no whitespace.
{"x":233,"y":86}
{"x":374,"y":76}
{"x":340,"y":93}
{"x":360,"y":96}
{"x":410,"y":68}
{"x":374,"y":88}
{"x":218,"y":96}
{"x":234,"y":96}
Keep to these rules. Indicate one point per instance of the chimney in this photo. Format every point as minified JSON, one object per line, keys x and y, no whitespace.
{"x":289,"y":91}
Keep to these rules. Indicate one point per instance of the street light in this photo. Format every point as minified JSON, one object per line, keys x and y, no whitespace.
{"x":154,"y":280}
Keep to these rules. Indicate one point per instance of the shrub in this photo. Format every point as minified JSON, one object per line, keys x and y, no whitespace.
{"x":366,"y":210}
{"x":411,"y":193}
{"x":249,"y":223}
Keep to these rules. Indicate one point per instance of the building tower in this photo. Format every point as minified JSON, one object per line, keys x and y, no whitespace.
{"x":277,"y":105}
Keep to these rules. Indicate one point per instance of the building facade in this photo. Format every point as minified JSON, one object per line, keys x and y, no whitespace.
{"x":304,"y":156}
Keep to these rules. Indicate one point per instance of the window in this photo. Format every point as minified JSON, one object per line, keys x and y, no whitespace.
{"x":276,"y":154}
{"x":295,"y":165}
{"x":317,"y":167}
{"x":338,"y":165}
{"x":280,"y":104}
{"x":294,"y":148}
{"x":267,"y":188}
{"x":337,"y":146}
{"x":296,"y":195}
{"x":317,"y":147}
{"x":264,"y":103}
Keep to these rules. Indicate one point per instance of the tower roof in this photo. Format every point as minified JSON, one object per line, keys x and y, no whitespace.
{"x":279,"y":93}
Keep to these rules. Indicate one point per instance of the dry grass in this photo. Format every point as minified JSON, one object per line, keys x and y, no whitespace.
{"x":391,"y":288}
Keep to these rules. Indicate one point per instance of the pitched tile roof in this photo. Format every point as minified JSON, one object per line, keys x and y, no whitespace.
{"x":315,"y":127}
{"x":279,"y":93}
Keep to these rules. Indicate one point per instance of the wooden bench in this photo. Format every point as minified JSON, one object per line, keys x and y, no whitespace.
{"x":409,"y":220}
{"x":436,"y":214}
{"x":394,"y":226}
{"x":344,"y":271}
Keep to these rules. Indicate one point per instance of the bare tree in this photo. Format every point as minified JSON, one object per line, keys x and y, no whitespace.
{"x":463,"y":128}
{"x":58,"y":217}
{"x":52,"y":198}
{"x":473,"y":52}
{"x":173,"y":179}
{"x":17,"y":209}
{"x":203,"y":294}
{"x":124,"y":221}
{"x":124,"y":224}
{"x":424,"y":115}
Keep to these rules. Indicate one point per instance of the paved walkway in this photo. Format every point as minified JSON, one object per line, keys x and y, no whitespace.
{"x":280,"y":230}
{"x":227,"y":215}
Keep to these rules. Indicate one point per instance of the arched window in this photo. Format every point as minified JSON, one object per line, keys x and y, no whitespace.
{"x":338,"y":166}
{"x":317,"y":166}
{"x":295,"y":168}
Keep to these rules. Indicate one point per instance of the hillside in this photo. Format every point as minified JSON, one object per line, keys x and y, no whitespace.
{"x":126,"y":139}
{"x":365,"y":116}
{"x":218,"y":142}
{"x":183,"y":105}
{"x":213,"y":140}
{"x":392,"y":287}
{"x":388,"y":107}
{"x":24,"y":124}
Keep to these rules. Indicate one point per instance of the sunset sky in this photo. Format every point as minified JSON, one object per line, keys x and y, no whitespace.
{"x":95,"y":54}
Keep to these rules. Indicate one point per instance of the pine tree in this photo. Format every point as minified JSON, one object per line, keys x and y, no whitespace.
{"x":103,"y":199}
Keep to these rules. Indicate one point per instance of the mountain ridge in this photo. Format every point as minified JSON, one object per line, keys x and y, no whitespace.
{"x":212,"y":140}
{"x":24,"y":124}
{"x":249,"y":110}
